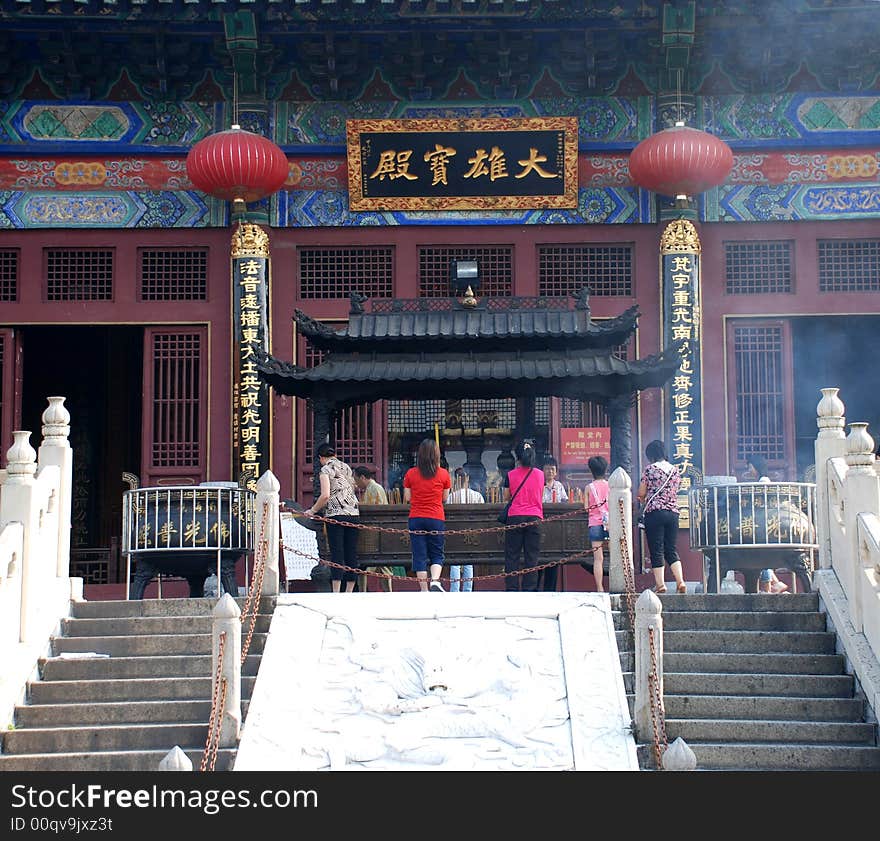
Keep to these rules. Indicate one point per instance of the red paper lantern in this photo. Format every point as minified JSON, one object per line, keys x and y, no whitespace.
{"x":237,"y":165}
{"x":680,"y":161}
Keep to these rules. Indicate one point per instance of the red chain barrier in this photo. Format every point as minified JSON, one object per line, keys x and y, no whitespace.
{"x":658,"y":720}
{"x":253,"y":598}
{"x":218,"y":706}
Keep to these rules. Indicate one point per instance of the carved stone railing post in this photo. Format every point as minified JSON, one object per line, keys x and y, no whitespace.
{"x":679,"y":757}
{"x":268,"y":525}
{"x":830,"y":443}
{"x":862,"y":495}
{"x":619,"y":489}
{"x":648,"y":615}
{"x":56,"y":450}
{"x":175,"y":760}
{"x":227,"y":617}
{"x":17,"y":505}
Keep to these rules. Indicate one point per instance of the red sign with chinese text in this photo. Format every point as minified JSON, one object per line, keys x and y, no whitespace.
{"x":579,"y":444}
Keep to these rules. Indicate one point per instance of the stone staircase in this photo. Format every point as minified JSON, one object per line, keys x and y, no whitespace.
{"x":126,"y":711}
{"x":753,"y":682}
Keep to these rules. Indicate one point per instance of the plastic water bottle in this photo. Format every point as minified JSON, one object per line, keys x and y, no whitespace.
{"x":729,"y":584}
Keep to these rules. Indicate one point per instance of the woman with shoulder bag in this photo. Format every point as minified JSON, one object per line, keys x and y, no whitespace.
{"x":524,"y":488}
{"x":658,"y":497}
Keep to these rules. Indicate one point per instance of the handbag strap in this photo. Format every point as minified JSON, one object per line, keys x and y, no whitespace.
{"x":520,"y":485}
{"x":665,"y":483}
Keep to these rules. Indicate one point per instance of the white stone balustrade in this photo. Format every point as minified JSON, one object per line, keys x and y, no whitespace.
{"x":649,"y":617}
{"x":619,"y":489}
{"x":227,"y":620}
{"x":35,"y":585}
{"x":848,"y":524}
{"x":268,"y":529}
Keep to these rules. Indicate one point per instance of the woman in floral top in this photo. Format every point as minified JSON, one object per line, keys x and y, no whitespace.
{"x":658,"y":492}
{"x":337,"y":494}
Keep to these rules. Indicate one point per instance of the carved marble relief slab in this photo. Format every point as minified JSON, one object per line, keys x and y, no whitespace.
{"x":409,"y":681}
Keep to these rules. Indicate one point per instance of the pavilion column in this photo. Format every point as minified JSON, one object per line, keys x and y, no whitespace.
{"x":322,"y":425}
{"x":525,"y":417}
{"x":620,"y":414}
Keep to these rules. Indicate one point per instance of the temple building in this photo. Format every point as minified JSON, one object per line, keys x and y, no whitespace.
{"x":432,"y":146}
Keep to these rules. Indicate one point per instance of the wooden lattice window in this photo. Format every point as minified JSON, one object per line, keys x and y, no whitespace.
{"x":566,"y":269}
{"x":8,"y":274}
{"x":849,"y":265}
{"x":178,"y":275}
{"x":412,"y":416}
{"x":79,"y":274}
{"x":177,"y":392}
{"x":495,"y":267}
{"x":335,"y":272}
{"x":758,"y":267}
{"x":353,"y":429}
{"x":759,"y":360}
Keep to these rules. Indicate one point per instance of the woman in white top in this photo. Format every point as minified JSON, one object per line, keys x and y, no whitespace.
{"x":462,"y":575}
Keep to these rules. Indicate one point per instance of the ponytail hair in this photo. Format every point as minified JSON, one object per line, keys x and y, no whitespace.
{"x":525,"y":453}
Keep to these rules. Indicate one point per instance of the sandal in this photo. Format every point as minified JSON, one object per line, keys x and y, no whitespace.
{"x":681,"y":588}
{"x":660,"y":589}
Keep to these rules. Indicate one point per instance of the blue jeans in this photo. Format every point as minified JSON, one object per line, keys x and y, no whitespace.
{"x":464,"y":572}
{"x":426,"y":548}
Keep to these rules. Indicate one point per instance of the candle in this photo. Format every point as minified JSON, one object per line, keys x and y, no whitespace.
{"x":437,"y":435}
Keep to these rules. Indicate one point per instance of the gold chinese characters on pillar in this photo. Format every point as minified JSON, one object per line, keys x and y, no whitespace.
{"x":251,"y":441}
{"x":682,"y":325}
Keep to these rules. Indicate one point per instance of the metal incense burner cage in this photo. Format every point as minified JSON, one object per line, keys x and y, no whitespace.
{"x":181,"y":530}
{"x":751,"y":526}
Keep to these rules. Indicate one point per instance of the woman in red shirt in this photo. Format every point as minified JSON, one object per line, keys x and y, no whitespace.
{"x":425,"y":488}
{"x":525,"y":486}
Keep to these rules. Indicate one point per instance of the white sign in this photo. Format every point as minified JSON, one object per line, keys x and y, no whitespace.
{"x":300,"y":548}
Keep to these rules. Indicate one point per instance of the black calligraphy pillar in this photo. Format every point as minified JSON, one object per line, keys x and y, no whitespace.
{"x":251,"y":418}
{"x":681,"y":323}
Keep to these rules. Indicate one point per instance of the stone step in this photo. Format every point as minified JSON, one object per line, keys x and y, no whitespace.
{"x":110,"y":713}
{"x":125,"y":760}
{"x":765,"y":708}
{"x":694,"y":731}
{"x":139,"y":625}
{"x":61,"y":668}
{"x":788,"y":686}
{"x":745,"y":602}
{"x":113,"y":737}
{"x":785,"y":757}
{"x":132,"y":689}
{"x":729,"y":620}
{"x":746,"y":642}
{"x":158,"y":607}
{"x":817,"y":664}
{"x":130,"y":646}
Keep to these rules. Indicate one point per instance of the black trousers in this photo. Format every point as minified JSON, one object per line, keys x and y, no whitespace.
{"x":661,"y":532}
{"x":342,"y":542}
{"x":522,"y":549}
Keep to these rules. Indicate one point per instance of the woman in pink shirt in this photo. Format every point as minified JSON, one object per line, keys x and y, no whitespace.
{"x":524,"y":485}
{"x":596,"y":502}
